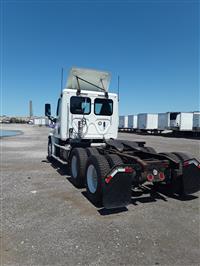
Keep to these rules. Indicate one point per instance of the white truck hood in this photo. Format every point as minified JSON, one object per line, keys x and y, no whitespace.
{"x":88,"y":79}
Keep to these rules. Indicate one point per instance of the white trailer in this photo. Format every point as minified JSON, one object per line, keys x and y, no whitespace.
{"x":123,"y":121}
{"x":163,"y":121}
{"x":41,"y":121}
{"x":148,"y":122}
{"x":126,"y":121}
{"x":182,"y":121}
{"x":132,"y":121}
{"x":174,"y":119}
{"x":196,"y":121}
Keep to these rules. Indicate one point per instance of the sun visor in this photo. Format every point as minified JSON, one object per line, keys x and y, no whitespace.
{"x":88,"y":79}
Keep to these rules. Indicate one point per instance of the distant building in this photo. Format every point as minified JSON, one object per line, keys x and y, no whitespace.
{"x":41,"y":121}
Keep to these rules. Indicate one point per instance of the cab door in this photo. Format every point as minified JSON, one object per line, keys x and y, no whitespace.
{"x":58,"y":119}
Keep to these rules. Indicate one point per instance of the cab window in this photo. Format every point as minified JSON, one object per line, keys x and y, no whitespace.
{"x":80,"y":105}
{"x":103,"y":106}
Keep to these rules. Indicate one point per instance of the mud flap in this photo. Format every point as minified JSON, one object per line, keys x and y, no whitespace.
{"x":117,"y":193}
{"x":191,"y":178}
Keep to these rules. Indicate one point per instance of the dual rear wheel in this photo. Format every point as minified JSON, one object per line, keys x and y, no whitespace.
{"x":78,"y":162}
{"x":88,"y":168}
{"x":97,"y":168}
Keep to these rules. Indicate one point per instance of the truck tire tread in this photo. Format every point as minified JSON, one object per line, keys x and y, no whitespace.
{"x":102,"y":168}
{"x":113,"y":160}
{"x":81,"y":155}
{"x":92,"y":151}
{"x":171,"y":155}
{"x":183,"y":156}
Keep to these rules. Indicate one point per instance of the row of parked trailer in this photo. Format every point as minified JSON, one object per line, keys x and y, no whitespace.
{"x":176,"y":121}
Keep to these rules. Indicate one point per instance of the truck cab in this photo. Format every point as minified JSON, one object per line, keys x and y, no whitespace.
{"x":85,"y":109}
{"x":89,"y":115}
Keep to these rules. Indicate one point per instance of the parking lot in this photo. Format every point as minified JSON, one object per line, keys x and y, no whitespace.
{"x":47,"y":221}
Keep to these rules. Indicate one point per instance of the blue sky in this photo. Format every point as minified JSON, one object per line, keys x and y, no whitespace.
{"x":152,"y":45}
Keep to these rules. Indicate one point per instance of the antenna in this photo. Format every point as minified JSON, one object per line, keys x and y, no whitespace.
{"x":61,"y":83}
{"x":118,"y":87}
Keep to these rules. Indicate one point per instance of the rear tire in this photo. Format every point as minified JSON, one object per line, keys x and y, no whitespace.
{"x":176,"y":184}
{"x":149,"y":149}
{"x":113,"y":160}
{"x":96,"y":169}
{"x":183,"y":156}
{"x":92,"y":151}
{"x":78,"y":159}
{"x":171,"y":155}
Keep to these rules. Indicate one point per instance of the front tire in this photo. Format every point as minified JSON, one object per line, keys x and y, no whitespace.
{"x":96,"y":169}
{"x":49,"y":150}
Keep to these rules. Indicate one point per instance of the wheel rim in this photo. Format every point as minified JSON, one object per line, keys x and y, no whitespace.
{"x":92,"y":179}
{"x":74,"y":166}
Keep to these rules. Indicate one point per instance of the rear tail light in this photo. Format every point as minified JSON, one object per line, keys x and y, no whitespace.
{"x":150,"y":178}
{"x":128,"y":169}
{"x":161,"y":176}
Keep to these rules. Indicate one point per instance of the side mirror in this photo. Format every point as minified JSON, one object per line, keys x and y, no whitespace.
{"x":47,"y":109}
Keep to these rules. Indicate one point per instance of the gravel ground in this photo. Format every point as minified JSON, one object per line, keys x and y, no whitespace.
{"x":47,"y":221}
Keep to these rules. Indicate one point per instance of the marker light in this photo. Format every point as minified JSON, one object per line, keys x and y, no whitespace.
{"x":161,"y":176}
{"x":128,"y":169}
{"x":150,"y":178}
{"x":107,"y":180}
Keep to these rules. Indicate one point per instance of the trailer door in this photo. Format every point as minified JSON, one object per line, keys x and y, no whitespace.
{"x":186,"y":121}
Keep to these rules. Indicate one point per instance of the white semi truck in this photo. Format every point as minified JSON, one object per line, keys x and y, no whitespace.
{"x":85,"y":141}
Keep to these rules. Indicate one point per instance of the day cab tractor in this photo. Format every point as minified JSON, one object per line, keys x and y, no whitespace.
{"x":84,"y":139}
